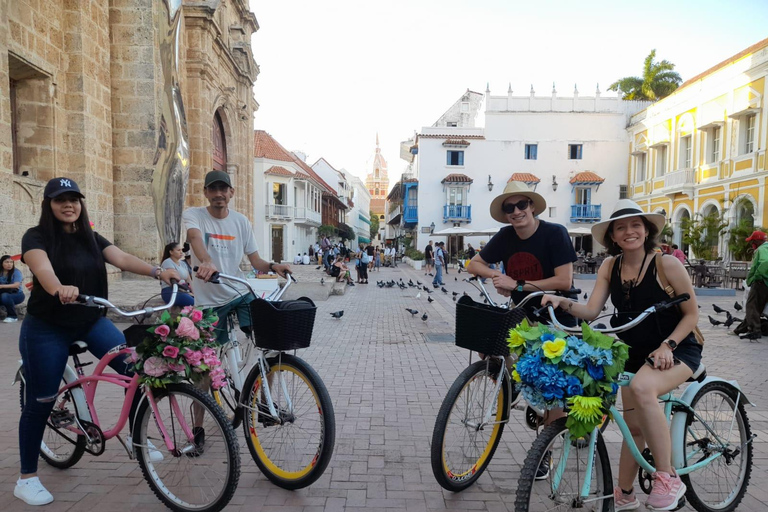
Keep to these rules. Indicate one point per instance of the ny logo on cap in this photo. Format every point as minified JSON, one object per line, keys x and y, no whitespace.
{"x":65,"y":183}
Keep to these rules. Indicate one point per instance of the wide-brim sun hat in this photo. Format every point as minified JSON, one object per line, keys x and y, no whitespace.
{"x":625,"y":208}
{"x":516,"y":188}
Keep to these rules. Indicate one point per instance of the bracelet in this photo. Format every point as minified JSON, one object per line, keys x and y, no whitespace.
{"x":157,"y":271}
{"x":271,"y":266}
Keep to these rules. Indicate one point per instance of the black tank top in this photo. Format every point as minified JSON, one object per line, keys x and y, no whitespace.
{"x":646,"y":337}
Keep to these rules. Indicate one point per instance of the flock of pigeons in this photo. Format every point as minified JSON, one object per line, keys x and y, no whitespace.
{"x":729,"y":318}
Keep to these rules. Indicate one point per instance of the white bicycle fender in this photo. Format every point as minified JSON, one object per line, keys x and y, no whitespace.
{"x":677,"y":428}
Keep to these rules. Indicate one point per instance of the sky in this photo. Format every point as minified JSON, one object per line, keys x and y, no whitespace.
{"x":336,"y":73}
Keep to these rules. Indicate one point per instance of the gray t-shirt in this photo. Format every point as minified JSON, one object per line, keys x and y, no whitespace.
{"x":181,"y":268}
{"x":226,"y":241}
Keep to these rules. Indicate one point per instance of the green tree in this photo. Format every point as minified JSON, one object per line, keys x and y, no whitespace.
{"x":374,"y":225}
{"x":741,"y":249}
{"x":659,"y":80}
{"x":326,"y":230}
{"x":703,"y":232}
{"x":667,"y":233}
{"x":346,"y":232}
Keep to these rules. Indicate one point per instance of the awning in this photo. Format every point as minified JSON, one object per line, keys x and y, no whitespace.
{"x":457,"y":178}
{"x":525,"y":177}
{"x":579,"y":231}
{"x":363,"y":240}
{"x":587,"y":178}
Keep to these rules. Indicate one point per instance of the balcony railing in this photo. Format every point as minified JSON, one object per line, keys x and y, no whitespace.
{"x":457,"y":213}
{"x":279,"y":211}
{"x":411,"y":215}
{"x":307,"y":216}
{"x":686,"y":178}
{"x":586,"y":212}
{"x":394,"y":212}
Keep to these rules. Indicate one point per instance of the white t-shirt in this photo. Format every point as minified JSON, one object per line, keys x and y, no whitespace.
{"x":305,"y":259}
{"x":226,"y":241}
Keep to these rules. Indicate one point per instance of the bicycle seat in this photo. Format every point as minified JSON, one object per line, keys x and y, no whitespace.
{"x":699,"y":375}
{"x":78,"y":347}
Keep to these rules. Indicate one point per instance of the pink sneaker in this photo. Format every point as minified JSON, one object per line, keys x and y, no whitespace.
{"x":623,"y":501}
{"x":666,"y":492}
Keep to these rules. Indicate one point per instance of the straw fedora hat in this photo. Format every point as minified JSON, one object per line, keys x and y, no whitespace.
{"x":516,"y":188}
{"x":625,"y":208}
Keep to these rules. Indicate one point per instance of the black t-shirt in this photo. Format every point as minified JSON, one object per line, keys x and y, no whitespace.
{"x":534,"y":258}
{"x":74,"y":265}
{"x":428,"y":251}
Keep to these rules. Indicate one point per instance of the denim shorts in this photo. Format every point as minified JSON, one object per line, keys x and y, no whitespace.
{"x":688,"y":352}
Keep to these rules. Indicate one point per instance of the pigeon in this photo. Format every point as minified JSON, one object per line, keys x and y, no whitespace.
{"x":729,"y":321}
{"x":435,"y":285}
{"x":443,"y":290}
{"x":717,"y":308}
{"x":322,"y":281}
{"x":410,"y":282}
{"x":454,"y":298}
{"x":380,"y":284}
{"x":425,"y":288}
{"x":585,"y":296}
{"x":466,"y":294}
{"x":737,"y":306}
{"x":418,"y":283}
{"x":455,"y":278}
{"x":713,"y":321}
{"x":454,"y":293}
{"x":412,"y":311}
{"x":429,"y":291}
{"x":424,"y":317}
{"x":418,"y":295}
{"x":337,"y":314}
{"x":430,"y":299}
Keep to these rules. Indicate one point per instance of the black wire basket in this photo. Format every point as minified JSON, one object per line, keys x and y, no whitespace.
{"x":485,"y":328}
{"x":284,"y":325}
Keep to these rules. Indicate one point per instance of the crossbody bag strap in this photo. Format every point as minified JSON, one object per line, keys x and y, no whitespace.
{"x":663,"y":276}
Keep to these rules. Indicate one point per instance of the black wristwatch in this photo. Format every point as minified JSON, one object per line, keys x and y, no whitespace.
{"x":520,"y":284}
{"x":271,"y":266}
{"x":671,"y":343}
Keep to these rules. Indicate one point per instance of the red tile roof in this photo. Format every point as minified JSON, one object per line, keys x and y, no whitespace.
{"x":265,"y":146}
{"x":587,"y":177}
{"x":457,"y":178}
{"x":525,"y":177}
{"x":278,"y":171}
{"x":456,"y":142}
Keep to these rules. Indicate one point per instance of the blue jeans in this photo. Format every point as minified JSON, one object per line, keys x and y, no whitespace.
{"x":182,"y":299}
{"x":438,"y":273}
{"x":240,"y":306}
{"x":9,"y":300}
{"x":44,"y":350}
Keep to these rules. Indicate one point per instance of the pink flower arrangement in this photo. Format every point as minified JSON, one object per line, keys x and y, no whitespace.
{"x":181,"y":348}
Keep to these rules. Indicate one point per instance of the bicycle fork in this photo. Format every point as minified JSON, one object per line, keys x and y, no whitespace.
{"x":179,"y":415}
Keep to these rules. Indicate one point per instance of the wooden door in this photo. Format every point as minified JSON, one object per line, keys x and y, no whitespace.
{"x":277,"y":243}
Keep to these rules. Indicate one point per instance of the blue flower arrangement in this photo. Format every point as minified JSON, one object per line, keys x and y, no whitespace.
{"x":557,"y":370}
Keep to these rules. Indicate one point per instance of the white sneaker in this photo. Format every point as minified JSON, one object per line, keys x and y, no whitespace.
{"x":32,"y":492}
{"x":10,"y":319}
{"x":155,"y":455}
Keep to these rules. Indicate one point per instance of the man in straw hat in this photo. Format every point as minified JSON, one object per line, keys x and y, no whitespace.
{"x":663,"y":350}
{"x":757,"y":280}
{"x":537,"y":255}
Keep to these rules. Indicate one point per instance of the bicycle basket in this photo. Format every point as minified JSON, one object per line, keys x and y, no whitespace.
{"x":485,"y":328}
{"x":136,"y":333}
{"x":285,"y":325}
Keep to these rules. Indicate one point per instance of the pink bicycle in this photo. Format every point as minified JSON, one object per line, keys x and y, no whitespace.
{"x":186,"y":448}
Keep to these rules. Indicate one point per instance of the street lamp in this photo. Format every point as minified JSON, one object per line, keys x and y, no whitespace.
{"x":431,"y":228}
{"x":490,"y":183}
{"x":554,"y":183}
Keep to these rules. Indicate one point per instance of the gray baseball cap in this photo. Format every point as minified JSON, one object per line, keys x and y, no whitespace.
{"x":214,"y":176}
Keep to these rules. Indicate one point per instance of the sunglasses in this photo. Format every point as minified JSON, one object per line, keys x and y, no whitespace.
{"x":626,"y":289}
{"x":520,"y":205}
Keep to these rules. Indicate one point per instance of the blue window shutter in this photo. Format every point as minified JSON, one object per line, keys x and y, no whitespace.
{"x":461,"y":158}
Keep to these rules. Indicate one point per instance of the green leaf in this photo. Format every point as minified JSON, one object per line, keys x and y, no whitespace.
{"x":165,"y":317}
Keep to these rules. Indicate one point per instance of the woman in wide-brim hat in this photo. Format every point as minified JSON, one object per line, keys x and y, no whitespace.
{"x":631,"y":279}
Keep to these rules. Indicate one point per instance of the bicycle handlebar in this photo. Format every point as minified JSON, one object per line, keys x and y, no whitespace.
{"x":274,"y":296}
{"x":661,"y":306}
{"x":474,"y":281}
{"x":98,"y":302}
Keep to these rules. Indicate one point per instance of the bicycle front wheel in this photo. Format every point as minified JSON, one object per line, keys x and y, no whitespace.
{"x":722,"y":427}
{"x":294,"y":448}
{"x":188,"y":453}
{"x":566,"y":462}
{"x":463,"y":442}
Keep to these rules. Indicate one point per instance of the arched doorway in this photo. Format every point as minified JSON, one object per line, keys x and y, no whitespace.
{"x":219,"y":144}
{"x":683,"y":217}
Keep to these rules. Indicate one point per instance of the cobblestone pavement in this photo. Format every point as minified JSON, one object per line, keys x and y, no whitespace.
{"x":387,"y":383}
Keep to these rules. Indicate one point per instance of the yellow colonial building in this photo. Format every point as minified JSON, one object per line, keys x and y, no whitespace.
{"x":702,"y":149}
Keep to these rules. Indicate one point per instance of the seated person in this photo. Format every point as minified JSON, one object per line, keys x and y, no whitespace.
{"x":10,"y":287}
{"x":297,"y":259}
{"x":340,"y":271}
{"x":305,"y":259}
{"x":173,"y":259}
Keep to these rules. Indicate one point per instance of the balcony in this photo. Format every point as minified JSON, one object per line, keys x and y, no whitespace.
{"x":307,"y":216}
{"x":279,"y":211}
{"x":394,"y":214}
{"x":411,"y":215}
{"x":457,"y":213}
{"x":680,"y":182}
{"x":586,"y":212}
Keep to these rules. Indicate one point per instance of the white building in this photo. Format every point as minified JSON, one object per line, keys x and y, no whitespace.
{"x":572,"y":150}
{"x":289,"y":200}
{"x":352,"y":191}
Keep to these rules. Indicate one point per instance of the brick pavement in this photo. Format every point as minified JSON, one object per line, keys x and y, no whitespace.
{"x":387,"y":384}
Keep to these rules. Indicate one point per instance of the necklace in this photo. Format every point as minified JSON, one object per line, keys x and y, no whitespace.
{"x":629,"y":284}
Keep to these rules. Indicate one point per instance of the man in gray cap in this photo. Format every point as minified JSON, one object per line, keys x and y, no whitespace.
{"x":219,"y":237}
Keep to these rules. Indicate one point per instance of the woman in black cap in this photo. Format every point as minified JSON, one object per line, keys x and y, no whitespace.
{"x":66,"y":258}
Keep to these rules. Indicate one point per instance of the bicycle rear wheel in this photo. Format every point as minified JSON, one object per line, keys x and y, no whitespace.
{"x":202,"y":469}
{"x":720,"y":485}
{"x":294,"y":449}
{"x":561,"y":488}
{"x":462,"y":444}
{"x":60,"y":448}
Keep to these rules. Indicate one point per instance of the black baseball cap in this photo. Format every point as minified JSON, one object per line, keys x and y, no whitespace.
{"x":214,"y":176}
{"x":58,"y":186}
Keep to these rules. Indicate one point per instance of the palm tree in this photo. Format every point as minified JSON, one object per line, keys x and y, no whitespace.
{"x":659,"y":80}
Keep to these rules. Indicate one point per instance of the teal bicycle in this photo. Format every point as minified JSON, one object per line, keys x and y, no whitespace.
{"x":711,"y":447}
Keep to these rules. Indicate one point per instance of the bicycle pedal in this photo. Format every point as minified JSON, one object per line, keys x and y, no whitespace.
{"x":62,"y":418}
